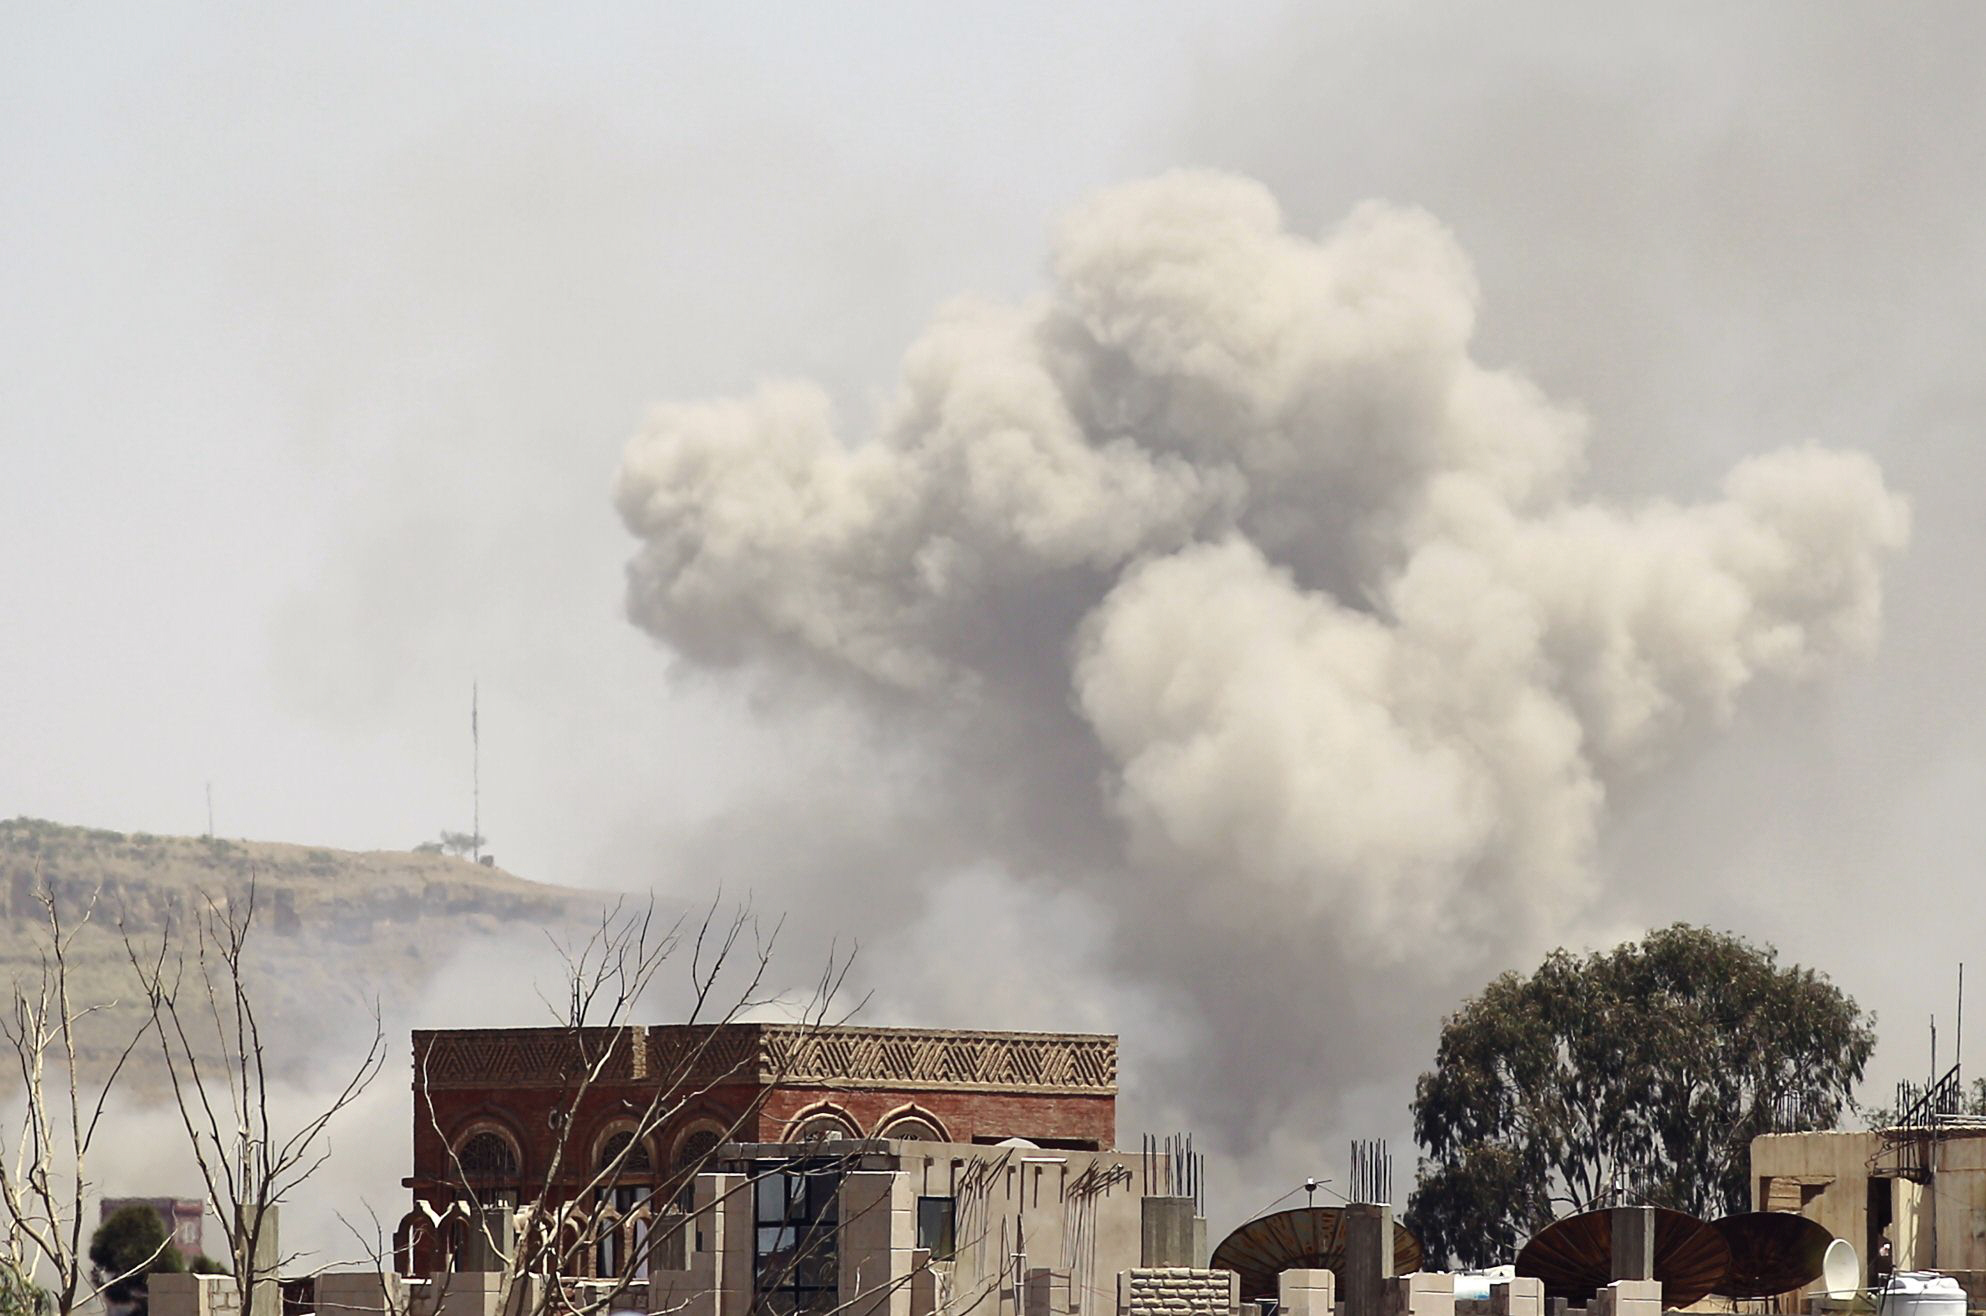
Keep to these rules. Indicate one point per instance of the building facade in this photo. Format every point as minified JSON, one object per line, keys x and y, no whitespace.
{"x":1921,"y":1189}
{"x":502,"y":1114}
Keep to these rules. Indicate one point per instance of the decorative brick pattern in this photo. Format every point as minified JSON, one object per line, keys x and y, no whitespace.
{"x":901,"y":1059}
{"x":526,"y":1057}
{"x":911,"y":1059}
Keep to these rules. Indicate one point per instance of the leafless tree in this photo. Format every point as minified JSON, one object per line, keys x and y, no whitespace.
{"x":203,"y":1016}
{"x":620,"y":1204}
{"x":44,"y":1179}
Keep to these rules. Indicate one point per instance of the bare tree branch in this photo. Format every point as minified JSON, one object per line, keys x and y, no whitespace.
{"x":45,"y":1184}
{"x":246,"y":1162}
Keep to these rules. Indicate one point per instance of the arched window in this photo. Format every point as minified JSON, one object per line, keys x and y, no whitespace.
{"x":912,"y":1128}
{"x":637,"y":1163}
{"x":822,"y":1123}
{"x":695,"y":1147}
{"x":488,"y":1157}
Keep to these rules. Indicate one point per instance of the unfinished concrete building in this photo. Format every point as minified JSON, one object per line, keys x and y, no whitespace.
{"x":1923,"y":1186}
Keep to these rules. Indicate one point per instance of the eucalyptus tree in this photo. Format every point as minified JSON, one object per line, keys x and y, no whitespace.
{"x":1636,"y":1074}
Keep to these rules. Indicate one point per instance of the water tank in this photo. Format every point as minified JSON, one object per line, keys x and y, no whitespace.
{"x":1922,"y":1293}
{"x":1474,"y":1285}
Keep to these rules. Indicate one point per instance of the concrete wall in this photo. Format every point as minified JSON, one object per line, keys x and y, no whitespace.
{"x":1960,"y":1203}
{"x":193,"y":1295}
{"x":1521,"y":1295}
{"x":1423,"y":1293}
{"x":1305,"y":1292}
{"x":718,"y":1281}
{"x":1937,"y":1226}
{"x":1170,"y":1232}
{"x":878,"y":1238}
{"x":1074,"y":1212}
{"x":1823,"y":1176}
{"x":360,"y":1293}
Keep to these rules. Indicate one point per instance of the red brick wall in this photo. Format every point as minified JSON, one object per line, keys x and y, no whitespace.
{"x":966,"y":1116}
{"x":525,"y":1113}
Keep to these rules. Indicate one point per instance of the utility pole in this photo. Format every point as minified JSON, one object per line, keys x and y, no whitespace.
{"x":475,"y":777}
{"x":210,"y":810}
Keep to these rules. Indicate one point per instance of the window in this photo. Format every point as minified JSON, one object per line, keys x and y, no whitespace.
{"x":796,"y":1259}
{"x":693,"y":1155}
{"x":934,"y":1226}
{"x":822,"y":1126}
{"x":637,"y":1162}
{"x":488,"y":1157}
{"x":913,"y":1127}
{"x":696,"y":1147}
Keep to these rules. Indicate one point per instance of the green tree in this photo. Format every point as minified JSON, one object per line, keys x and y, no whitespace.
{"x":129,"y":1247}
{"x":1642,"y":1072}
{"x":19,"y":1295}
{"x":462,"y":843}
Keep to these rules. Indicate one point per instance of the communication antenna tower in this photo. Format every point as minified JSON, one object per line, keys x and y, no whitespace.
{"x":475,"y":778}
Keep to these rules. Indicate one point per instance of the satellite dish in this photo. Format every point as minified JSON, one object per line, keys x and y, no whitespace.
{"x":1841,"y":1269}
{"x":1773,"y":1252}
{"x":1575,"y":1256}
{"x":1306,"y":1238}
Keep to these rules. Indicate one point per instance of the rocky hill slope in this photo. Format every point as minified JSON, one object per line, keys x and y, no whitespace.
{"x":334,"y":930}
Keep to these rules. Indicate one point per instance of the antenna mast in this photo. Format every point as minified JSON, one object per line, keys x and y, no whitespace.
{"x":475,"y":777}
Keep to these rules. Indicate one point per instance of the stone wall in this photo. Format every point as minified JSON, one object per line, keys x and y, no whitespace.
{"x":1177,"y":1291}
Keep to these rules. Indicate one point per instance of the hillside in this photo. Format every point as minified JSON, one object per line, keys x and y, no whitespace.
{"x":335,"y":929}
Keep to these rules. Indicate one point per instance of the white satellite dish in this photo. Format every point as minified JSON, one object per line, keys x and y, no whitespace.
{"x":1841,"y":1269}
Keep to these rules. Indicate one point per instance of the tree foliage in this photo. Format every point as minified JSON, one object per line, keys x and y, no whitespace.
{"x":462,"y":843}
{"x":130,"y":1246}
{"x":19,"y":1295}
{"x":1642,"y":1073}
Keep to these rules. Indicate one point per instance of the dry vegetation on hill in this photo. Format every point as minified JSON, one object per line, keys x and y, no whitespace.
{"x":336,"y":929}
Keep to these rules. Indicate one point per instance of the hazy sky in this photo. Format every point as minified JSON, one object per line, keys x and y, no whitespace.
{"x":325,"y":327}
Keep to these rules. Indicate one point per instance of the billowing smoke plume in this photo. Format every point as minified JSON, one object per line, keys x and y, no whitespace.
{"x":1223,"y":585}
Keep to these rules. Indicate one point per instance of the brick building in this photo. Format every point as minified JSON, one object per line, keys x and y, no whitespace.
{"x":494,"y":1102}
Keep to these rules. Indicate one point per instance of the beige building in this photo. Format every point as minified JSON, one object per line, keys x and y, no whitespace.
{"x":907,"y":1228}
{"x":838,"y":1227}
{"x":1924,"y":1187}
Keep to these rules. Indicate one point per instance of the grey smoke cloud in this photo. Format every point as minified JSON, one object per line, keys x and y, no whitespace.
{"x":1275,"y":622}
